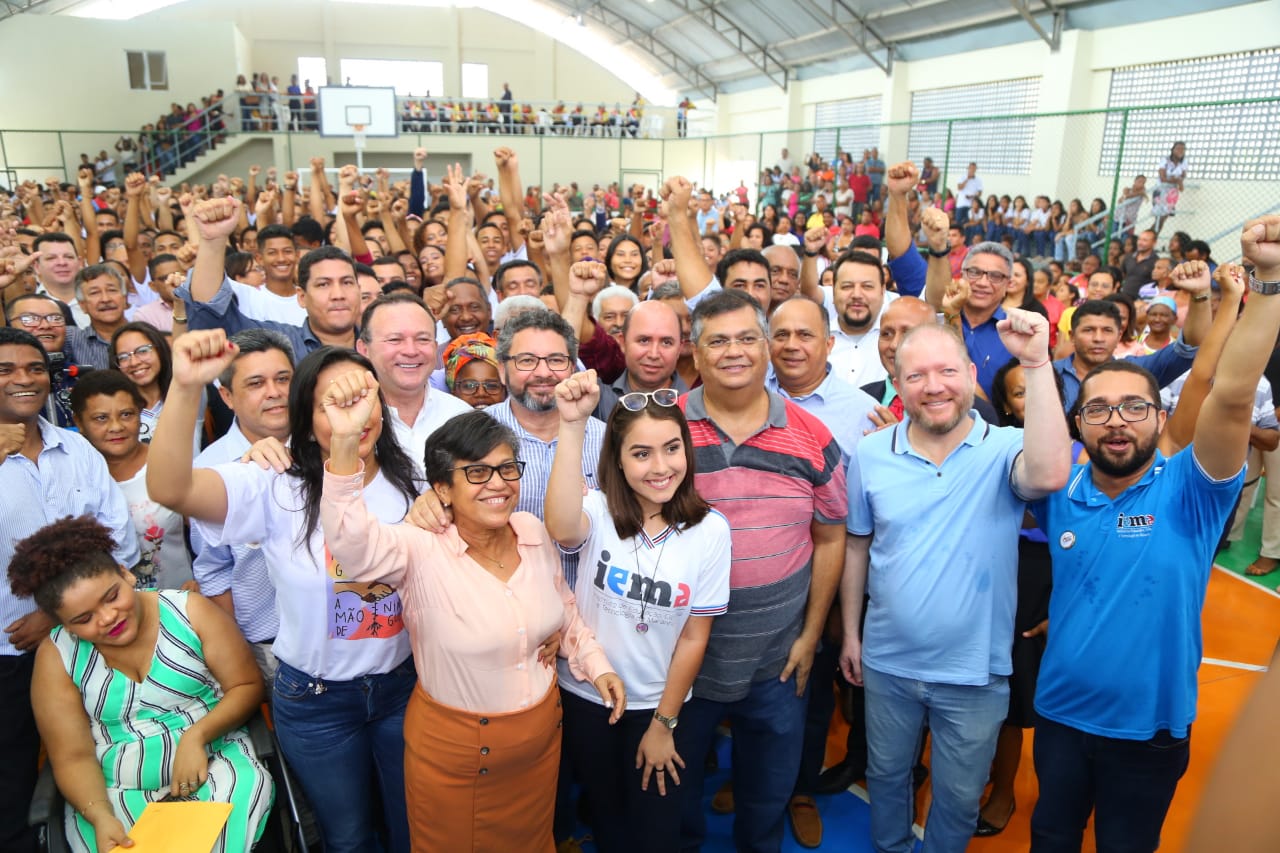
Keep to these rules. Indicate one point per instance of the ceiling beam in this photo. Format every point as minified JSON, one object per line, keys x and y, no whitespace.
{"x":1054,"y":38}
{"x":643,"y":41}
{"x":841,"y":16}
{"x":773,"y":68}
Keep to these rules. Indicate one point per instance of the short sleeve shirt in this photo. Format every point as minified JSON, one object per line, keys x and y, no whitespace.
{"x":660,"y":581}
{"x":1129,"y":580}
{"x":943,"y":593}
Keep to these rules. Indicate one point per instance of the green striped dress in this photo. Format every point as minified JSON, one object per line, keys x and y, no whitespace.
{"x":136,"y":728}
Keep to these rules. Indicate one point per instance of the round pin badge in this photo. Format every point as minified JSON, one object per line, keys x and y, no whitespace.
{"x":1067,"y":539}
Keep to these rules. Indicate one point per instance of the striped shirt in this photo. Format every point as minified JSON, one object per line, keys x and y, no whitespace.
{"x":71,"y":479}
{"x":771,"y":488}
{"x":537,"y":456}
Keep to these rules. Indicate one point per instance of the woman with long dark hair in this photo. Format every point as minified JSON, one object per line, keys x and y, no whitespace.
{"x":345,"y":673}
{"x":654,"y":572}
{"x":626,"y":261}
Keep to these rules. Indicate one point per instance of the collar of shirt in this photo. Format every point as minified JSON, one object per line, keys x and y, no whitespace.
{"x":314,"y":343}
{"x":889,"y":392}
{"x":1081,"y":489}
{"x":821,"y":392}
{"x":976,"y":435}
{"x":529,"y":533}
{"x":696,"y":408}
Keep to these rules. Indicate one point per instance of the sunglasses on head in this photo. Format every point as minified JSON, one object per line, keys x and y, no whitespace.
{"x":637,"y":400}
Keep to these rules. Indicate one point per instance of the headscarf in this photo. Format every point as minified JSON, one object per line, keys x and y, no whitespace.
{"x":467,"y":348}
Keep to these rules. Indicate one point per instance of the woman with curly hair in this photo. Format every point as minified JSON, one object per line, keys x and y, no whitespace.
{"x":137,"y":695}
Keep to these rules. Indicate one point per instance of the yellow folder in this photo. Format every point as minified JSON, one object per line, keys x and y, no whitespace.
{"x":183,"y":827}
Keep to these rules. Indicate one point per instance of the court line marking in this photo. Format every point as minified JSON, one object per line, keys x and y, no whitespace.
{"x":1234,"y":664}
{"x":1243,"y":579}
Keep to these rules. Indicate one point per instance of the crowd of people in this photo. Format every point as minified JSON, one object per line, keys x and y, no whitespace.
{"x":404,"y":459}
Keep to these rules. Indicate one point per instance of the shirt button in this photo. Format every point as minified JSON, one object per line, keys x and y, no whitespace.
{"x":484,"y":771}
{"x":519,"y":630}
{"x":519,"y":666}
{"x":524,"y":704}
{"x":484,"y":750}
{"x":510,"y":593}
{"x":484,"y":721}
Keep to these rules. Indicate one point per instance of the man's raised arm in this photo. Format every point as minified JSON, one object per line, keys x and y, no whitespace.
{"x":691,"y":268}
{"x":1222,"y":430}
{"x":509,"y":192}
{"x":1045,"y":462}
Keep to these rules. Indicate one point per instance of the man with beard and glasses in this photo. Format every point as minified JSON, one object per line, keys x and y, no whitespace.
{"x":1132,"y":538}
{"x":936,"y":647}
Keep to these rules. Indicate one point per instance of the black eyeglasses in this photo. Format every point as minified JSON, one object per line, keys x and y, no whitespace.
{"x":527,"y":361}
{"x":1133,"y":411}
{"x":471,"y":386}
{"x":975,"y":275}
{"x":637,"y":400}
{"x":479,"y":473}
{"x":33,"y":320}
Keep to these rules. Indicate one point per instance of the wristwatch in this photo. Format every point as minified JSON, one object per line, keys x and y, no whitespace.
{"x":669,"y":722}
{"x":933,"y":253}
{"x":1266,"y":288}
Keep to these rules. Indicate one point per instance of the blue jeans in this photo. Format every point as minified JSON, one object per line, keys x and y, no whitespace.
{"x":768,"y":734}
{"x":1041,"y":239}
{"x":963,"y":723}
{"x":1127,"y":784}
{"x":336,"y":741}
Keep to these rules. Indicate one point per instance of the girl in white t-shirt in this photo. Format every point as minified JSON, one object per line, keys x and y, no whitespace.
{"x":653,"y":572}
{"x":345,"y":668}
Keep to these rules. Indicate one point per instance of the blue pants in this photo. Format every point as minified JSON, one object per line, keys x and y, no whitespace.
{"x":338,"y":742}
{"x":963,"y":724}
{"x":1127,"y":784}
{"x":1042,"y":239}
{"x":768,"y":733}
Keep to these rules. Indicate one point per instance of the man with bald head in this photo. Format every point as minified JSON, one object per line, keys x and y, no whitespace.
{"x":784,"y":273}
{"x":799,"y":343}
{"x":943,"y":461}
{"x":651,"y":343}
{"x":905,"y":314}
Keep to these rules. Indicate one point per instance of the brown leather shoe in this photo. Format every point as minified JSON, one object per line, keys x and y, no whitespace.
{"x":722,"y":801}
{"x":806,"y":823}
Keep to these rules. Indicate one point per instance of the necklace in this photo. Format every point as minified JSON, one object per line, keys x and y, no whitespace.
{"x":642,"y":627}
{"x":477,"y":552}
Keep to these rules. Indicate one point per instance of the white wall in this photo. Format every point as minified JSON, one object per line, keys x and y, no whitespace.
{"x":60,"y":72}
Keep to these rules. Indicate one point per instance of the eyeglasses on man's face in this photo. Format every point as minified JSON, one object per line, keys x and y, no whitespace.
{"x":974,"y":274}
{"x":1131,"y":411}
{"x":527,"y":361}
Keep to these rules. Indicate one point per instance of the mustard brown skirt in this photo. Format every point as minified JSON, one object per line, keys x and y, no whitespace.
{"x":481,"y":782}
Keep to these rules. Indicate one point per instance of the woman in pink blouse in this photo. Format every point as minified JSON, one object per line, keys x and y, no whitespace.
{"x":482,"y":732}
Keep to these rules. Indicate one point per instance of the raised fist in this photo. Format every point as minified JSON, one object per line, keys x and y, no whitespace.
{"x":216,"y":219}
{"x":936,"y":224}
{"x":902,"y":178}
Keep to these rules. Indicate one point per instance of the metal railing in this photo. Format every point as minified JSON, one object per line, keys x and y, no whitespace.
{"x":1078,"y":155}
{"x":268,"y":111}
